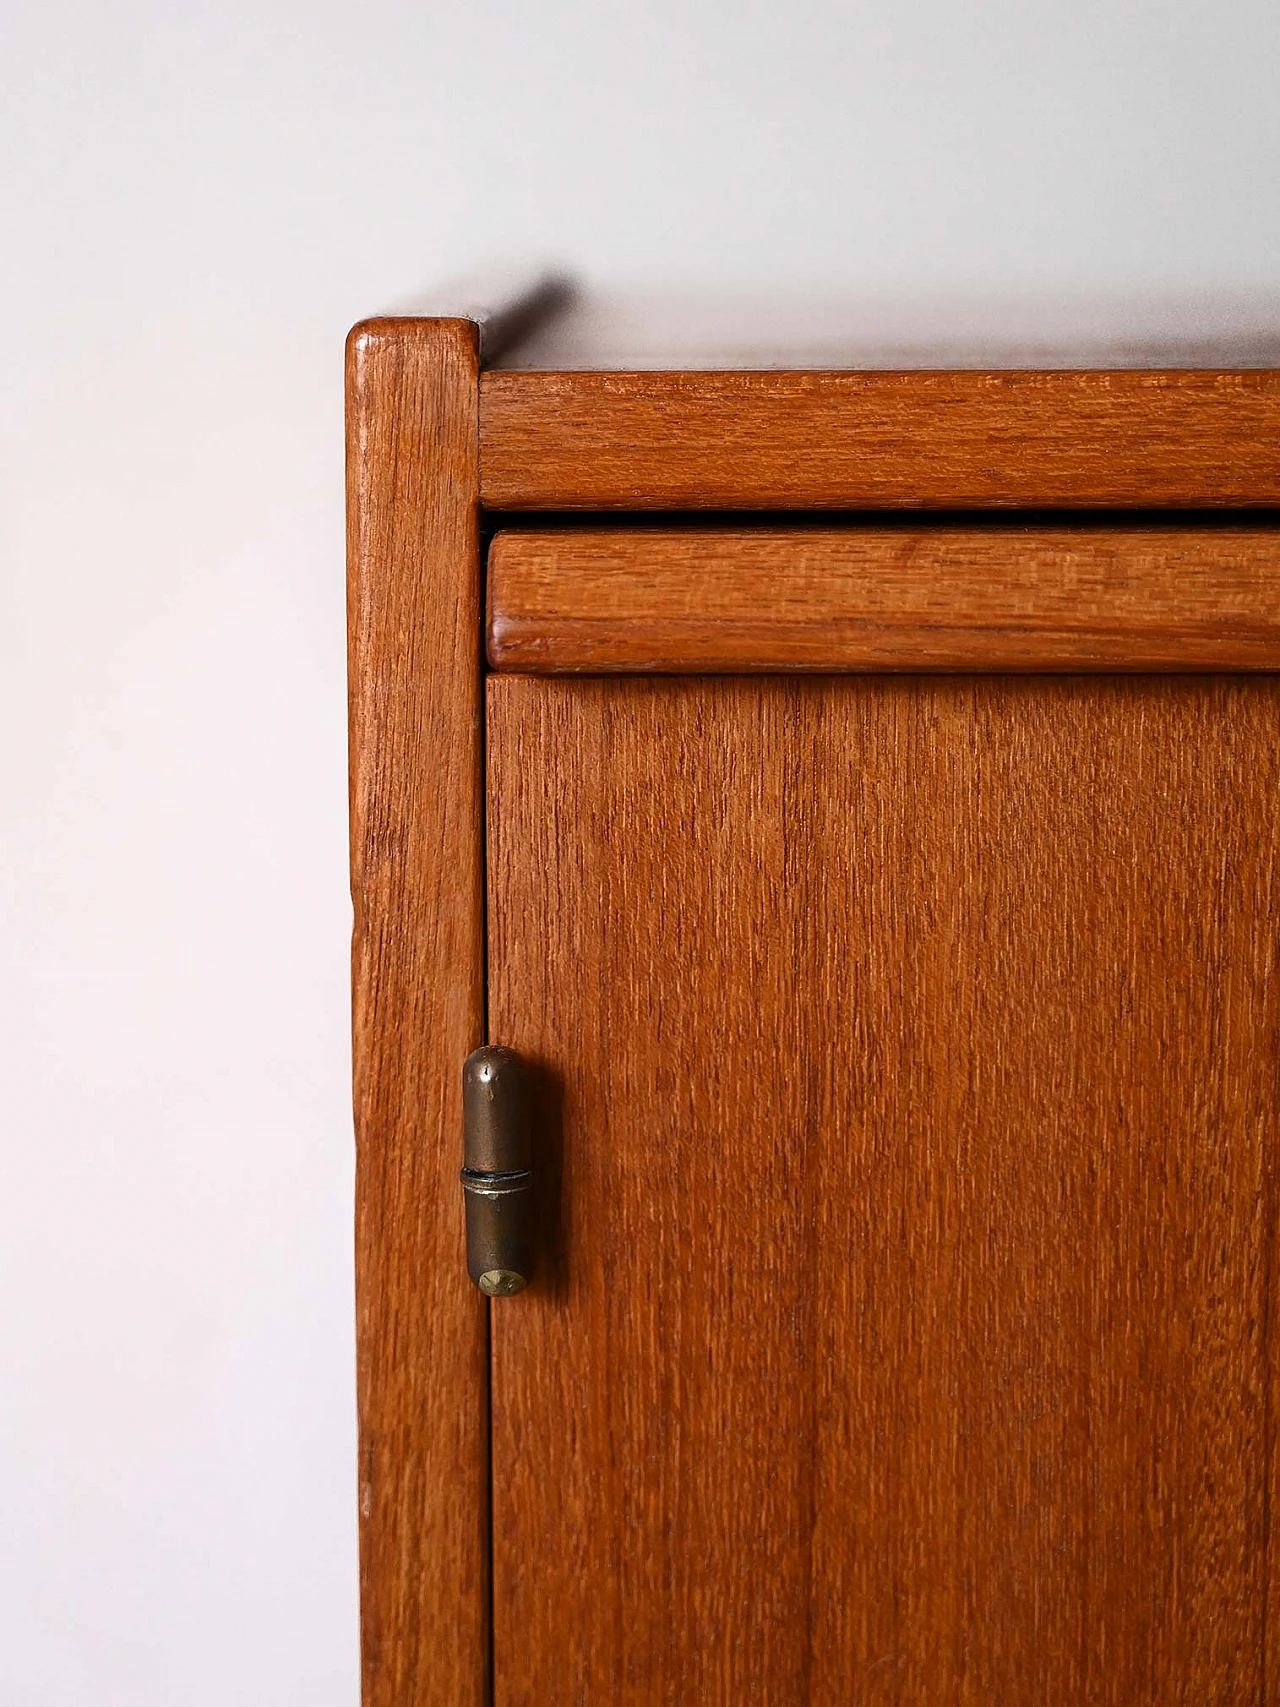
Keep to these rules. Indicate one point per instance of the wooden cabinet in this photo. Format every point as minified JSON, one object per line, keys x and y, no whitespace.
{"x":865,"y":827}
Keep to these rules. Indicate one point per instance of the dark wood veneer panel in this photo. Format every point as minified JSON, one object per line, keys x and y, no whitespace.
{"x":905,"y":1334}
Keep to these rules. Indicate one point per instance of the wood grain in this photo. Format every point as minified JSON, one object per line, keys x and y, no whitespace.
{"x":417,"y":975}
{"x":906,"y":1336}
{"x":636,"y":441}
{"x":884,"y":598}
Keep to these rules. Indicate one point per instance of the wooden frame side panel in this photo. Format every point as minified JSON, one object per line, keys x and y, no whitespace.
{"x":417,"y":974}
{"x":637,"y":441}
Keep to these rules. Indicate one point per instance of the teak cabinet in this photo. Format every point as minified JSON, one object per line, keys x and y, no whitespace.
{"x":855,"y":798}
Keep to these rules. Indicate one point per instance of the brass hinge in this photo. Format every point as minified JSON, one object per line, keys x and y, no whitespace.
{"x":497,"y":1177}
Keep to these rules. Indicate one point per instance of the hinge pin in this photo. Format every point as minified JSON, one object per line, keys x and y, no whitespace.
{"x":497,"y":1178}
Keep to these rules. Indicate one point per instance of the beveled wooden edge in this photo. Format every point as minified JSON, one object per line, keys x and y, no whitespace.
{"x":887,"y":598}
{"x":417,"y":1005}
{"x":860,"y":440}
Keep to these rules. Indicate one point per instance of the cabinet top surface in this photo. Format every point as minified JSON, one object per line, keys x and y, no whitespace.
{"x":601,"y":331}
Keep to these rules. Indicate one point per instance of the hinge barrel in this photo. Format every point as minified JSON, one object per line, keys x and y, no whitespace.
{"x":497,"y":1176}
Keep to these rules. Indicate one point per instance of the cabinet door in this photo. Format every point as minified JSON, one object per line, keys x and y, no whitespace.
{"x":909,"y":1058}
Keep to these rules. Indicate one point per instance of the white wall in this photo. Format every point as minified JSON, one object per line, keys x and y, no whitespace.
{"x":196,"y":200}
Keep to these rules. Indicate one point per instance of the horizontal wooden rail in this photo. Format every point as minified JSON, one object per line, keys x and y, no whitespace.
{"x":635,"y":441}
{"x":885,"y":598}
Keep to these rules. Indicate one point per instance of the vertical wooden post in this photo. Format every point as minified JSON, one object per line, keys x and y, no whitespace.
{"x":418,"y":983}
